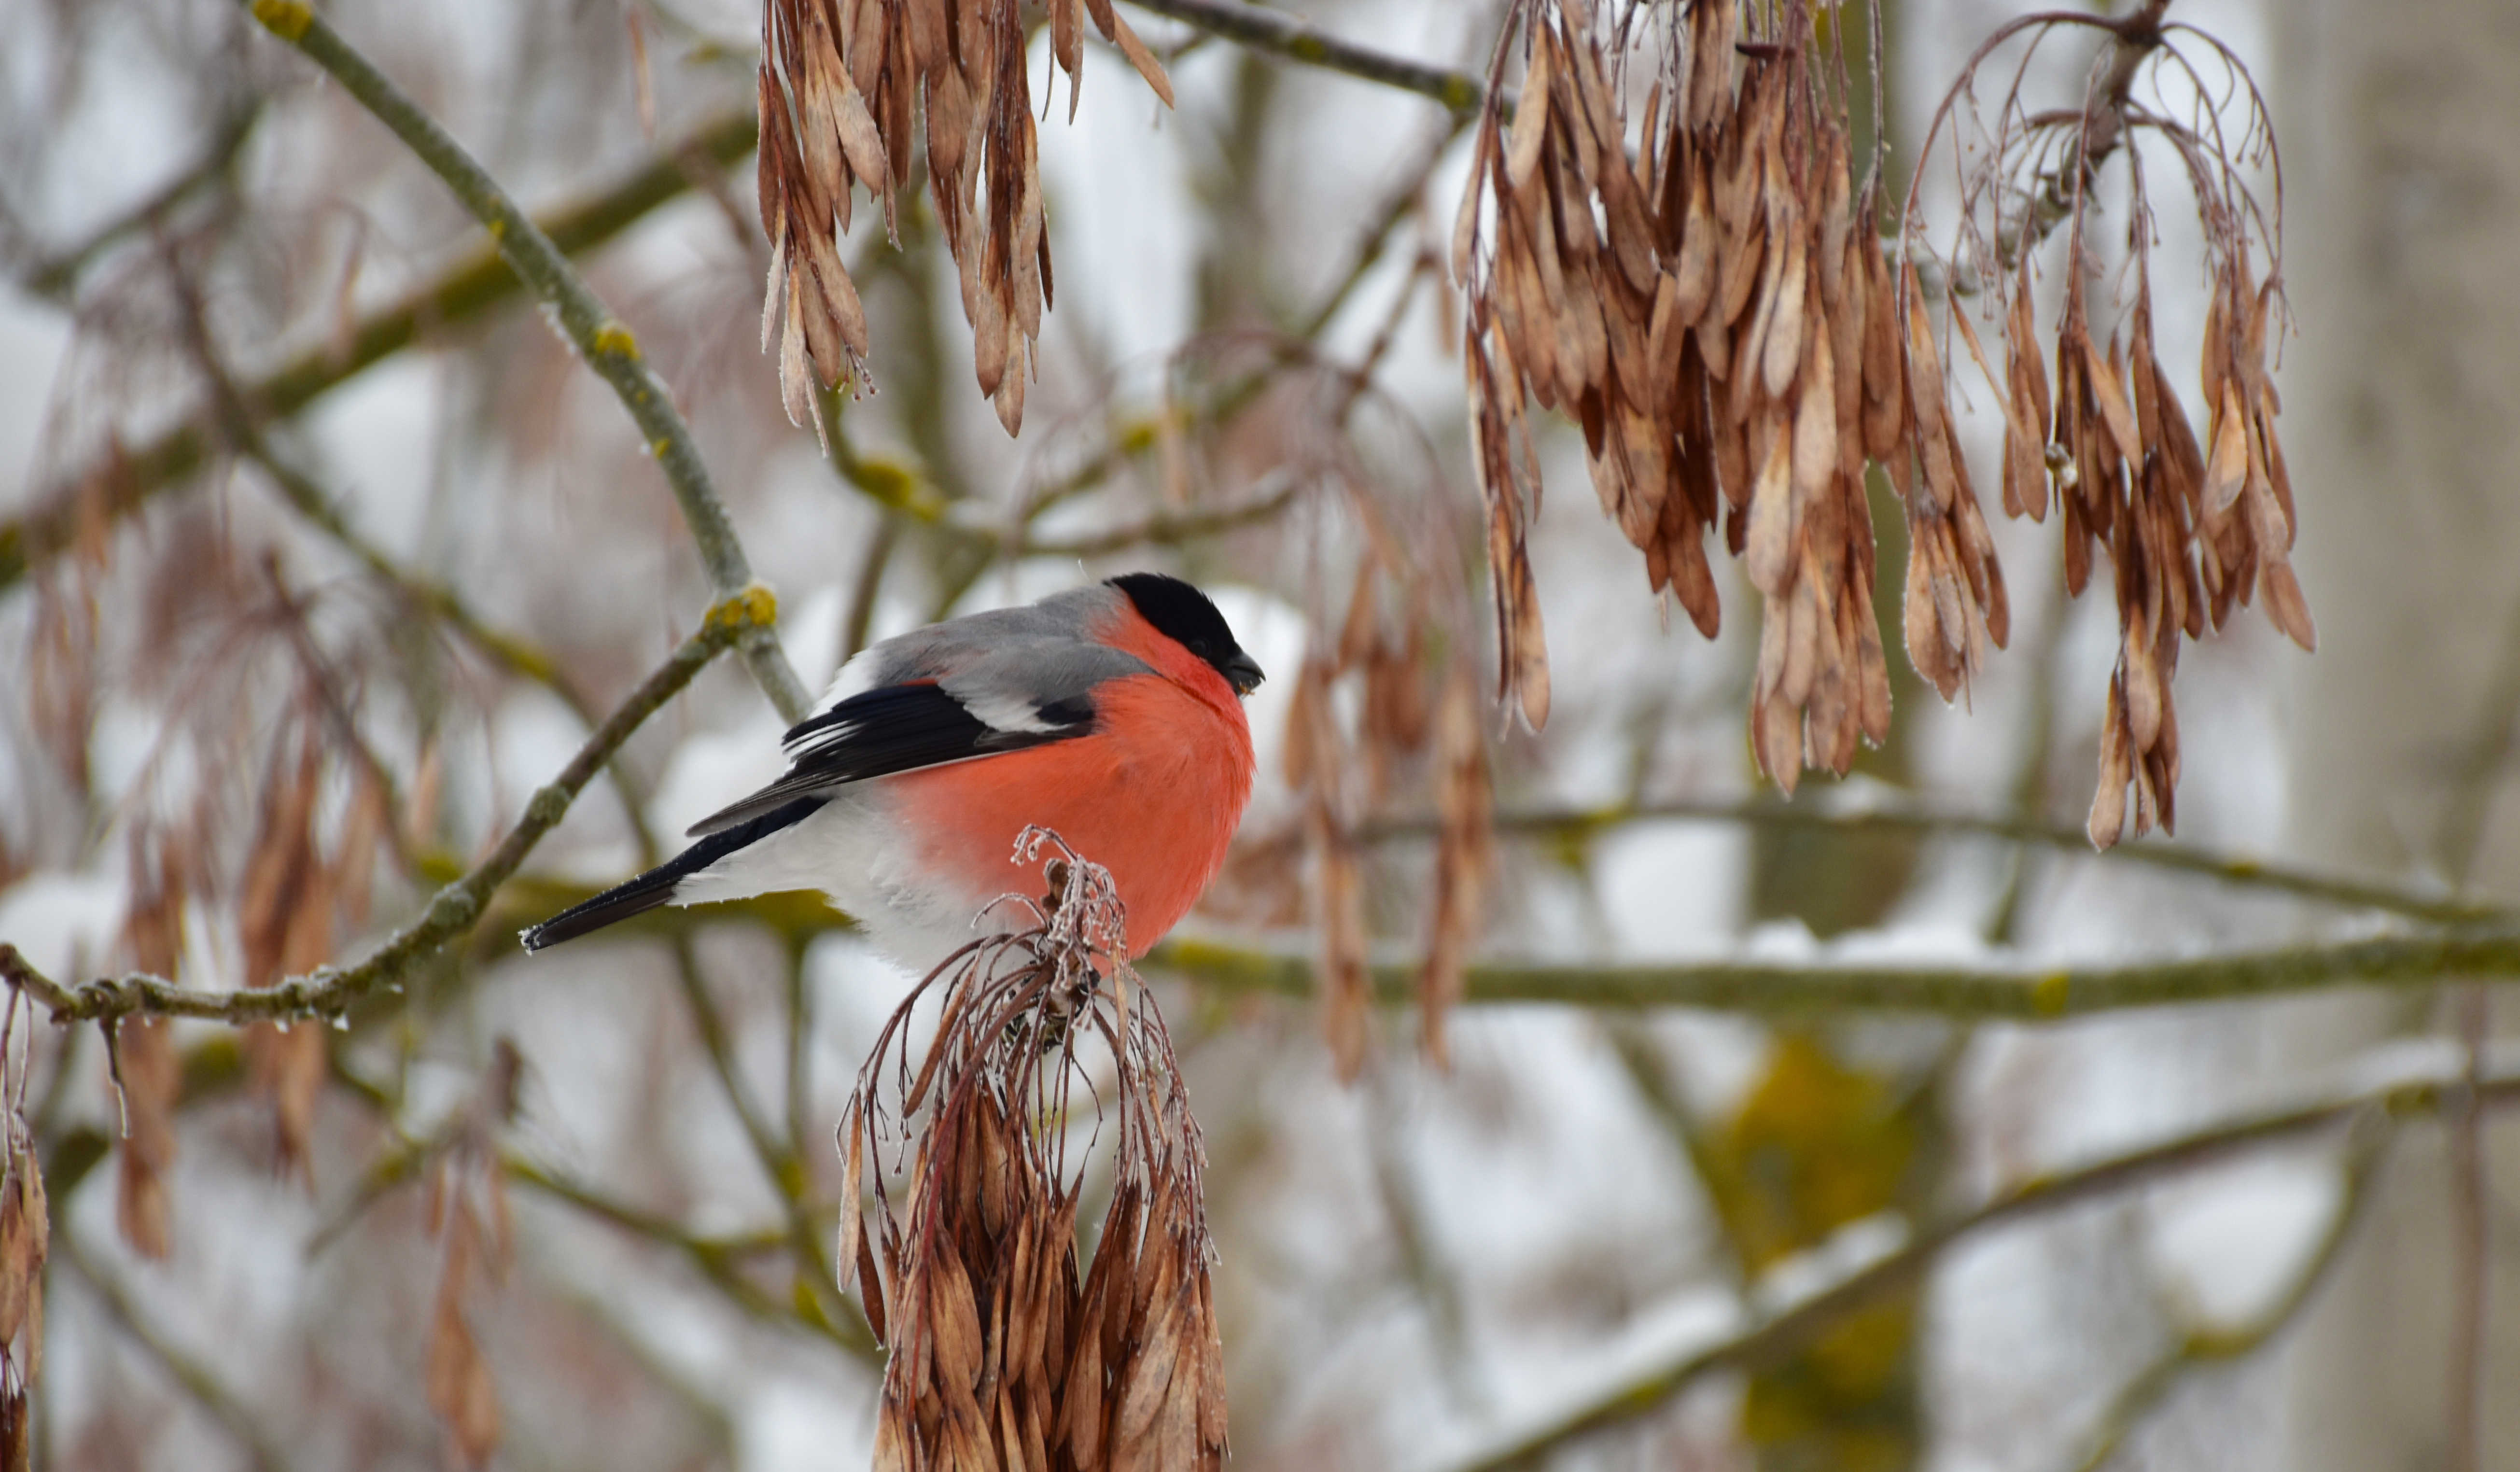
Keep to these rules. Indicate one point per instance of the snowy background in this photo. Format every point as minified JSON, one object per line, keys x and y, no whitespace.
{"x":1416,"y":1267}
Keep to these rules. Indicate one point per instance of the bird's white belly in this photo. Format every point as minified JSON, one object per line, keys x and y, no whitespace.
{"x":853,"y":850}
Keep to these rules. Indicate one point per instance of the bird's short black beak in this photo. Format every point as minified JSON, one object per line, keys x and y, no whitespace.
{"x":1243,"y":672}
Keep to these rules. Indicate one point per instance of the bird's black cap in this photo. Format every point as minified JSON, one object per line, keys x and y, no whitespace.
{"x":1182,"y":613}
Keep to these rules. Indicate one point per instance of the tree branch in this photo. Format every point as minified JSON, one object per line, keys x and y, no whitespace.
{"x":481,"y":283}
{"x":1300,"y":40}
{"x":1963,"y":993}
{"x":1793,"y":1329}
{"x":452,"y":915}
{"x":583,"y":319}
{"x":1273,"y":494}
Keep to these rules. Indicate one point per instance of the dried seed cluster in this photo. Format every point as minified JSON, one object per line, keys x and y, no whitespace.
{"x":291,"y":900}
{"x":1705,"y":295}
{"x":2192,"y":530}
{"x":1003,"y":1353}
{"x":144,"y":1062}
{"x":1715,"y":314}
{"x":849,"y":89}
{"x":1410,"y":708}
{"x":468,"y":1209}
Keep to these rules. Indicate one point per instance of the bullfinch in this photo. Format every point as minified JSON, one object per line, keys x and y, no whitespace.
{"x":1112,"y":715}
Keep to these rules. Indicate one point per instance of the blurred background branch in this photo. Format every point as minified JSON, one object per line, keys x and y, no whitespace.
{"x":463,"y":294}
{"x":2368,"y":1117}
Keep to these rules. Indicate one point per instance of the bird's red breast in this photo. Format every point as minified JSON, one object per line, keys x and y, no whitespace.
{"x":1153,"y":794}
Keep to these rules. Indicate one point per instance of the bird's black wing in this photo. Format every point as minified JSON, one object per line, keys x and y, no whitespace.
{"x":897,"y":728}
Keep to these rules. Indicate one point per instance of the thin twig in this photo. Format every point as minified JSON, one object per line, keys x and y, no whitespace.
{"x":2020,"y":994}
{"x":512,"y":652}
{"x":233,"y":417}
{"x":582,"y":316}
{"x":781,"y":1161}
{"x":55,"y":277}
{"x":857,"y":625}
{"x":715,"y":1258}
{"x":1647,"y":1072}
{"x":1298,"y":40}
{"x":450,"y":915}
{"x":191,"y":1373}
{"x":2203,"y":1345}
{"x":1395,"y":207}
{"x":1140,"y":436}
{"x":1170,"y":528}
{"x":129,"y":478}
{"x":1793,"y":1329}
{"x":1431,"y":1279}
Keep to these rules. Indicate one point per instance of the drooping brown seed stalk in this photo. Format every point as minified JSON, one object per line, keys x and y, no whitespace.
{"x":467,"y":1210}
{"x":1712,"y":310}
{"x":2189,"y":529}
{"x":850,"y":90}
{"x":146,"y":1074}
{"x":1002,"y":1353}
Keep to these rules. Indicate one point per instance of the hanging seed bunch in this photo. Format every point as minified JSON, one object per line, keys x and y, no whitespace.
{"x":294,"y":902}
{"x":1385,"y":710}
{"x":2190,"y":529}
{"x":849,"y":90}
{"x":1412,"y":708}
{"x":1713,"y":309}
{"x":147,"y":1075}
{"x":1002,"y":1353}
{"x":468,"y":1209}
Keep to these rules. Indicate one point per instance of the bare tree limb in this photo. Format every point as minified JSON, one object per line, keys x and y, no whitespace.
{"x":1167,"y":528}
{"x":451,"y":915}
{"x":1961,"y":993}
{"x":1794,"y":1328}
{"x":2309,"y":884}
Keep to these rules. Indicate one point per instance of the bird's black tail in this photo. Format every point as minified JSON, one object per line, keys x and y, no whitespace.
{"x":657,"y":886}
